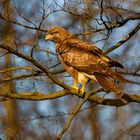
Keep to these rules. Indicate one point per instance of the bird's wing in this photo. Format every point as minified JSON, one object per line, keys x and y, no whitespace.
{"x":80,"y":44}
{"x":87,"y":62}
{"x":107,"y":84}
{"x":83,"y":45}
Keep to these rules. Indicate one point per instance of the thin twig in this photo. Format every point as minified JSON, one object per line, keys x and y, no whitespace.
{"x":37,"y":64}
{"x":125,"y":39}
{"x":72,"y":115}
{"x":22,"y":25}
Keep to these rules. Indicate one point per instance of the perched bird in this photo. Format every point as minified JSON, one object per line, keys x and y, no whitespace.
{"x":84,"y":61}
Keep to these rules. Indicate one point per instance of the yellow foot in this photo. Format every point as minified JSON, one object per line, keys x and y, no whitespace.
{"x":83,"y":90}
{"x":75,"y":86}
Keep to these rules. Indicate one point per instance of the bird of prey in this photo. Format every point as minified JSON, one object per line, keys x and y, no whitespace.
{"x":84,"y":61}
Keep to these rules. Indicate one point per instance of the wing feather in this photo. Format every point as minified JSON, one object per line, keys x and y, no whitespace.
{"x":86,"y":58}
{"x":86,"y":46}
{"x":107,"y":84}
{"x":87,"y":62}
{"x":78,"y":43}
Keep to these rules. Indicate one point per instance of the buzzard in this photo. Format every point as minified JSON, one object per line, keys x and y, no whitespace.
{"x":84,"y":61}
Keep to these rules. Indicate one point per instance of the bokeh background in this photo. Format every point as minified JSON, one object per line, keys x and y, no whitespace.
{"x":22,"y":27}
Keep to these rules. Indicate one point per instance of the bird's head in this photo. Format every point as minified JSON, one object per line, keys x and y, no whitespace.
{"x":57,"y":34}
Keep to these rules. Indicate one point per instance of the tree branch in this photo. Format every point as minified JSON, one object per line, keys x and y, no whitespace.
{"x":72,"y":115}
{"x":125,"y":39}
{"x":35,"y":73}
{"x":18,"y":67}
{"x":37,"y":96}
{"x":37,"y":64}
{"x":22,"y":25}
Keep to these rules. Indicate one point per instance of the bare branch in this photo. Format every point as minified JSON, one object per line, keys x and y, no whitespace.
{"x":16,"y":68}
{"x":37,"y":64}
{"x":125,"y":39}
{"x":72,"y":115}
{"x":37,"y":96}
{"x":19,"y":24}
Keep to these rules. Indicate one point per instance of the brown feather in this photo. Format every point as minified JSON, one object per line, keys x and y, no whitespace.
{"x":84,"y":60}
{"x":107,"y":84}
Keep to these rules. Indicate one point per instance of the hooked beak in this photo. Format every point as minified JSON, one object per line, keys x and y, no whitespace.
{"x":47,"y":37}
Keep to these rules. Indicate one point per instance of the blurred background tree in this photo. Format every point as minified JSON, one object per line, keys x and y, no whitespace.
{"x":33,"y":104}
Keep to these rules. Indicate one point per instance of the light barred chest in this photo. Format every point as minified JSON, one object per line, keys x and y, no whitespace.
{"x":84,"y":77}
{"x":71,"y":58}
{"x":74,"y":57}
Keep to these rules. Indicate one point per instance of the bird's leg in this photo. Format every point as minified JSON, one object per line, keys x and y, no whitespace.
{"x":79,"y":90}
{"x":83,"y":90}
{"x":75,"y":85}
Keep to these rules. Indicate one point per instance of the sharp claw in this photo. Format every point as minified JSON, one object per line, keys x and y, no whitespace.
{"x":75,"y":86}
{"x":83,"y":94}
{"x":82,"y":90}
{"x":79,"y":90}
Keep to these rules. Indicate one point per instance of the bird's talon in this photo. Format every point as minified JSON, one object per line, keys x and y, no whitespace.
{"x":83,"y":94}
{"x":78,"y":90}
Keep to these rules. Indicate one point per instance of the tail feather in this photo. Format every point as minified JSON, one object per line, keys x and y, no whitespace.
{"x":115,"y":64}
{"x":120,"y":78}
{"x":107,"y":84}
{"x":109,"y":72}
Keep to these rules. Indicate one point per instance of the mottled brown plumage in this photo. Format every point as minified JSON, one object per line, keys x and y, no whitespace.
{"x":84,"y":61}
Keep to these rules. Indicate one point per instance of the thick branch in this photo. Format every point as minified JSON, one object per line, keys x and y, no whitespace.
{"x":36,"y":96}
{"x":37,"y":64}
